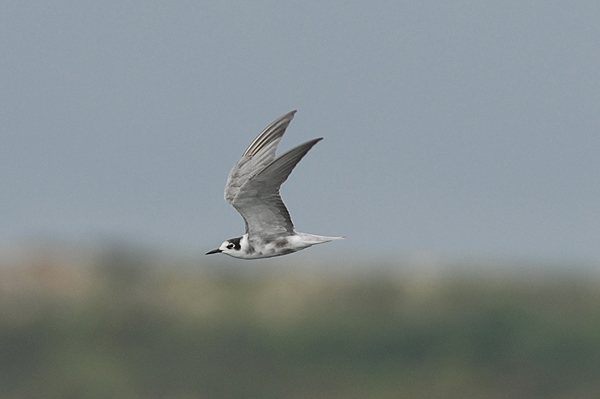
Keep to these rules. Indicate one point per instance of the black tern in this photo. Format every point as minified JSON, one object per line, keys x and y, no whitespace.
{"x":253,"y":190}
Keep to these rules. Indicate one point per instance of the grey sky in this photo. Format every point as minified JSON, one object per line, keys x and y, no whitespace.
{"x":450,"y":127}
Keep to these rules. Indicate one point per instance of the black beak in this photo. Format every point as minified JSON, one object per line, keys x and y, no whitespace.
{"x":214,"y":251}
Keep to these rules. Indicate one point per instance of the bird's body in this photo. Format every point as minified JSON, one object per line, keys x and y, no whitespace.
{"x":253,"y":190}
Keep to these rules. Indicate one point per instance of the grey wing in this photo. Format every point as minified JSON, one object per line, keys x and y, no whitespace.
{"x":259,"y":154}
{"x":259,"y":201}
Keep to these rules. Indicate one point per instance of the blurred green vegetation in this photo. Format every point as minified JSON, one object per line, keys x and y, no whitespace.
{"x":121,"y":327}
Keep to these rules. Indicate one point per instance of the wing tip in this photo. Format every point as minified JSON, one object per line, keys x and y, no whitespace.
{"x":289,"y":116}
{"x":274,"y":131}
{"x":314,"y":141}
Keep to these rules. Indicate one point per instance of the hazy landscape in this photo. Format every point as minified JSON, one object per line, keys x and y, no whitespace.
{"x":118,"y":322}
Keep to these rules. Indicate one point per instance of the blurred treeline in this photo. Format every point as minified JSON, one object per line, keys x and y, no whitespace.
{"x":123,"y":324}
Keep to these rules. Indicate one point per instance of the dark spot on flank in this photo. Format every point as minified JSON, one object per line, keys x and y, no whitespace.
{"x":281,"y":243}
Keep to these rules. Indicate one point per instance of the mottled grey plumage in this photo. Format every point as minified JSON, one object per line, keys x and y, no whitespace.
{"x":253,"y":190}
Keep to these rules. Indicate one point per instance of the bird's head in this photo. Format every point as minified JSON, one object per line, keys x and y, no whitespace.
{"x":230,"y":247}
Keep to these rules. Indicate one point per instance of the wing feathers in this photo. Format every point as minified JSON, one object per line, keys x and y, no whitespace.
{"x":258,"y":155}
{"x":272,"y":132}
{"x":259,"y":202}
{"x":254,"y":182}
{"x":277,"y":172}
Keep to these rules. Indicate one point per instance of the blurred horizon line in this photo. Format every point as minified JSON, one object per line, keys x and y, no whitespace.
{"x":90,"y":252}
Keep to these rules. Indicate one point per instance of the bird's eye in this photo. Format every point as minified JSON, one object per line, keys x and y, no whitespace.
{"x":230,"y":245}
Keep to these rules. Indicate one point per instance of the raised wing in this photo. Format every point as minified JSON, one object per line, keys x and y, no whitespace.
{"x":258,"y":199}
{"x":258,"y":155}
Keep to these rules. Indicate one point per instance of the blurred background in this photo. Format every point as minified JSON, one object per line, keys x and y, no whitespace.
{"x":460,"y":160}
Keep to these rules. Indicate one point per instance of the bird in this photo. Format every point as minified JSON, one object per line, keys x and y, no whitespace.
{"x":252,"y":188}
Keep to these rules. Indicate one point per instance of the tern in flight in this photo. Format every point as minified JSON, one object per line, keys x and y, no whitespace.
{"x":253,"y":190}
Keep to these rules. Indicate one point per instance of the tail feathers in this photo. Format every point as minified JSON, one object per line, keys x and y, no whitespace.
{"x":314,"y":239}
